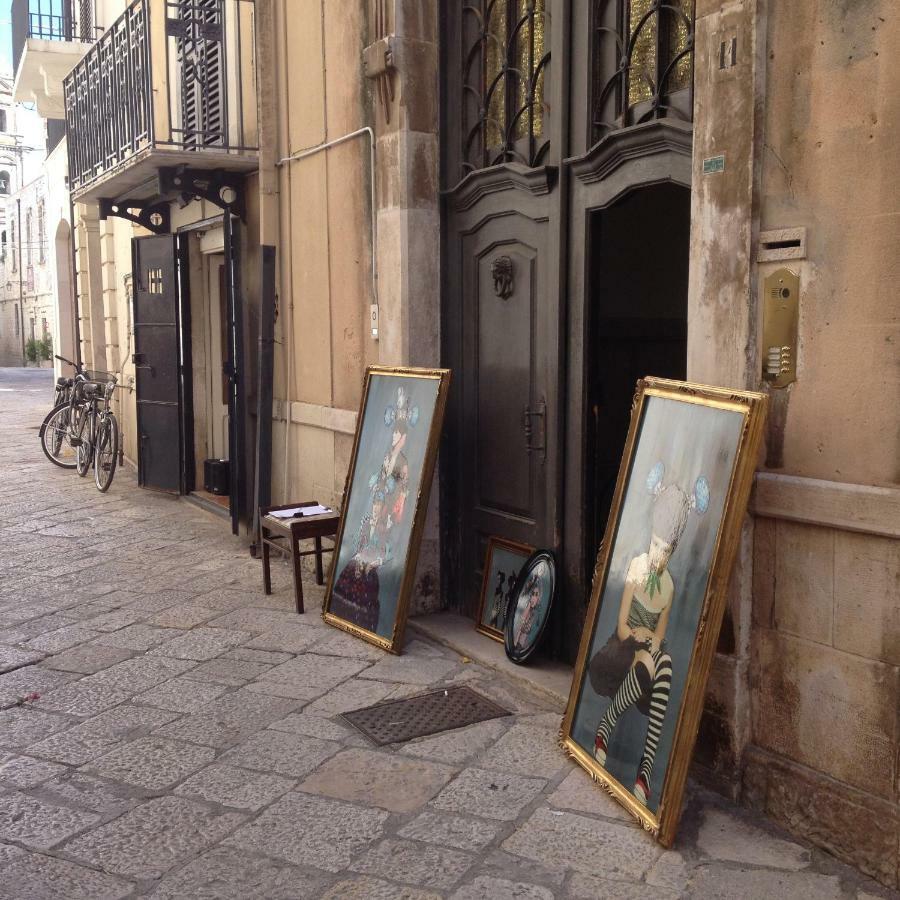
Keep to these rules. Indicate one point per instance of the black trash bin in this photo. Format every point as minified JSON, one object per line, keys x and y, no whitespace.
{"x":215,"y":476}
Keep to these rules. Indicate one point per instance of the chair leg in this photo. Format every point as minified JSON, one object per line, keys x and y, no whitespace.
{"x":298,"y":574}
{"x":320,"y":575}
{"x":267,"y":571}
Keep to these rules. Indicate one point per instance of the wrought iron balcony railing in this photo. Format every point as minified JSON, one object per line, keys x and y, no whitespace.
{"x":170,"y":81}
{"x":50,"y":20}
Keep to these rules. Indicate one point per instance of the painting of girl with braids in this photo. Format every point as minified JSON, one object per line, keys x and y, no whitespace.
{"x":665,"y":540}
{"x":387,"y":490}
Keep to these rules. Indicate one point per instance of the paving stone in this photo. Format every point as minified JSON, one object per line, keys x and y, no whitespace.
{"x":318,"y":727}
{"x":346,"y":697}
{"x":153,"y":763}
{"x":375,"y":889}
{"x":493,"y":795}
{"x":125,"y":721}
{"x":29,"y":680}
{"x":461,"y":744}
{"x":138,"y":637}
{"x":427,"y":866}
{"x":184,"y":694}
{"x":21,"y":726}
{"x":33,"y":627}
{"x":232,"y":672}
{"x":447,"y":830}
{"x":251,"y":618}
{"x":579,"y":793}
{"x":87,"y":659}
{"x":726,"y":837}
{"x":379,"y":779}
{"x":340,"y":644}
{"x":141,"y":673}
{"x":185,"y":615}
{"x":224,"y":599}
{"x":26,"y":772}
{"x":153,"y":838}
{"x":576,"y":842}
{"x":34,"y":876}
{"x":500,"y":889}
{"x":717,"y":882}
{"x":63,"y":638}
{"x":288,"y":638}
{"x":583,"y":886}
{"x":9,"y":852}
{"x":83,"y":698}
{"x":11,"y":658}
{"x":227,"y":874}
{"x":37,"y":824}
{"x":342,"y":831}
{"x":235,"y":787}
{"x":527,"y":750}
{"x":312,"y":675}
{"x":159,"y":600}
{"x":670,"y":872}
{"x":287,"y":754}
{"x":202,"y":644}
{"x":114,"y":620}
{"x":72,"y":747}
{"x":411,"y":669}
{"x":266,"y":657}
{"x":87,"y":792}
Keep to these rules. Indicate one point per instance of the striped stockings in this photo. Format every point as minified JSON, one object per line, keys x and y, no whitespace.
{"x":630,"y":691}
{"x":659,"y":702}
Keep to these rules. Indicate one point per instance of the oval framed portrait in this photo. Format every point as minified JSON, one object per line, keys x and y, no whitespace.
{"x":529,"y":606}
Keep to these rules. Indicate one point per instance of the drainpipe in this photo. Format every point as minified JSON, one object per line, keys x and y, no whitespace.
{"x":21,"y":281}
{"x":268,"y":240}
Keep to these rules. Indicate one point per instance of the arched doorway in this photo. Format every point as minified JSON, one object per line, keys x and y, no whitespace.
{"x":65,"y":340}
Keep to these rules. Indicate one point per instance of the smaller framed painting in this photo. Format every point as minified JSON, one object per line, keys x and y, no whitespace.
{"x":388,"y":482}
{"x":659,"y":593}
{"x":502,"y":565}
{"x":529,"y":606}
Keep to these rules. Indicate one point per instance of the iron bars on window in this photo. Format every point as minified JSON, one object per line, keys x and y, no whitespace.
{"x":506,"y":56}
{"x":643,"y":63}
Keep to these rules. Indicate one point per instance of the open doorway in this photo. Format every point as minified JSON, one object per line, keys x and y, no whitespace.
{"x":637,"y":321}
{"x":209,"y":359}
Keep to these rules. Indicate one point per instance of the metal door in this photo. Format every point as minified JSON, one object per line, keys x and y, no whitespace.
{"x":156,"y":361}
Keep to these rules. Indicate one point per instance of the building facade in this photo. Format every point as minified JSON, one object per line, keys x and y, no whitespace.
{"x":552,"y":199}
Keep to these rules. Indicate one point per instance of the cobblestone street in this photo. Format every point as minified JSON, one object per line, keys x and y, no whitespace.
{"x":185,"y":740}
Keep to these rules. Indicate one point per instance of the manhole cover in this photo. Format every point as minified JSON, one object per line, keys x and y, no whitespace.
{"x":443,"y":710}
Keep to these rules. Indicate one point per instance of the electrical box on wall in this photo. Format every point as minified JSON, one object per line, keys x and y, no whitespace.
{"x":781,"y":308}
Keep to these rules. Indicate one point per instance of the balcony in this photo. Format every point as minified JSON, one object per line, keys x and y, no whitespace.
{"x":48,"y":38}
{"x":171,"y":83}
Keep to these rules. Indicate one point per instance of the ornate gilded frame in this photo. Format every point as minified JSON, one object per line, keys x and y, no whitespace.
{"x":395,"y":642}
{"x":664,"y":822}
{"x":526,"y":550}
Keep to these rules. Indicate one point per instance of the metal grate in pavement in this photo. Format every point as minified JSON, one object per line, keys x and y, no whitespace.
{"x":443,"y":710}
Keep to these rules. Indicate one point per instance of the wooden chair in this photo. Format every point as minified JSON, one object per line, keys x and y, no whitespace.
{"x":286,"y":534}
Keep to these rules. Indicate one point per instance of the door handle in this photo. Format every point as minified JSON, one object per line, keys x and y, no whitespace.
{"x":535,"y":444}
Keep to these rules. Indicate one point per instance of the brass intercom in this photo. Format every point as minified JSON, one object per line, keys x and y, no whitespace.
{"x":781,"y":305}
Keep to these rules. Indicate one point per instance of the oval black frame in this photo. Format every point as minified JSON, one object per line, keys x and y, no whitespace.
{"x":521,"y":656}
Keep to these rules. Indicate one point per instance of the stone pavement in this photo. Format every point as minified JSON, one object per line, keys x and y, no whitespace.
{"x":185,"y":741}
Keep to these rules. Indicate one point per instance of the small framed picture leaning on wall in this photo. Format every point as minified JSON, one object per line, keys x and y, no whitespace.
{"x":659,"y":593}
{"x":503,"y":562}
{"x":391,"y":469}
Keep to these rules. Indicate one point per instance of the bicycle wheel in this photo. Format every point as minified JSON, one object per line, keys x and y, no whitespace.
{"x":106,"y":452}
{"x":84,"y":450}
{"x":54,"y":434}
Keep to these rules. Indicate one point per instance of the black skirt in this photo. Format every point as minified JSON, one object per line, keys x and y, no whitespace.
{"x":610,"y":665}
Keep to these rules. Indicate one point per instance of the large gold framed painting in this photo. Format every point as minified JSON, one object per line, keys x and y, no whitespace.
{"x":385,"y":500}
{"x":659,"y":593}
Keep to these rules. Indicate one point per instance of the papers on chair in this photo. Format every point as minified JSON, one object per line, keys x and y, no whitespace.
{"x":300,"y":512}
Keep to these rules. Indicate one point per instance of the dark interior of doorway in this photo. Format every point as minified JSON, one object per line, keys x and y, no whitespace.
{"x":637,"y":321}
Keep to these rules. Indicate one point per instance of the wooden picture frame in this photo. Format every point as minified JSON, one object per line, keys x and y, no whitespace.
{"x":654,"y":617}
{"x":494,"y":596}
{"x":385,"y":500}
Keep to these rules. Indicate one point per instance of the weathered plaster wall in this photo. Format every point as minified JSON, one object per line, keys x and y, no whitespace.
{"x":825,"y":665}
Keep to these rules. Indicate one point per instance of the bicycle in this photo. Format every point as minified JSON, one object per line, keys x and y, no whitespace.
{"x":97,"y":438}
{"x":55,"y":430}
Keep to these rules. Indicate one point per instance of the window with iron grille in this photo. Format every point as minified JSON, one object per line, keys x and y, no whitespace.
{"x":642,"y":62}
{"x":4,"y":182}
{"x":86,"y":20}
{"x":505,"y":66}
{"x":12,"y":246}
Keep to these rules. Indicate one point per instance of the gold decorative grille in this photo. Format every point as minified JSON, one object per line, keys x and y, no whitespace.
{"x":643,"y":62}
{"x":506,"y":55}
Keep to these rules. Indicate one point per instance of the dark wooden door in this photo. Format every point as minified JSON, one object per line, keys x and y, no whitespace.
{"x":156,"y":359}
